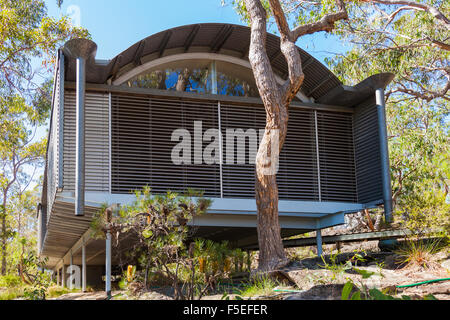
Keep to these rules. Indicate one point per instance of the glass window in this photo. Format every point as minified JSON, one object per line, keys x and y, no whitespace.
{"x":196,"y":76}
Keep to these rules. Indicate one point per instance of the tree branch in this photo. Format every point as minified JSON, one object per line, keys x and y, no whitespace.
{"x":325,"y":24}
{"x":413,"y":5}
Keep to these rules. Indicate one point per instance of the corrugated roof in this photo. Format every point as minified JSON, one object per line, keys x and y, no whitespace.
{"x":227,"y":39}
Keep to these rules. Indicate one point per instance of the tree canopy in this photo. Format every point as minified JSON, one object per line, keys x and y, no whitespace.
{"x":29,"y":40}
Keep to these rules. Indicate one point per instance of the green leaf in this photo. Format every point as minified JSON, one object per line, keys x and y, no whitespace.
{"x":356,"y":296}
{"x":147,"y":233}
{"x":377,"y":294}
{"x":346,"y":290}
{"x":365,"y":274}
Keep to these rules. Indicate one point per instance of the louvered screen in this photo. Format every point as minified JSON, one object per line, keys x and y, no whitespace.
{"x":239,"y":179}
{"x":142,"y":129}
{"x":367,"y":152}
{"x":96,"y":139}
{"x":297,"y":176}
{"x":336,"y":154}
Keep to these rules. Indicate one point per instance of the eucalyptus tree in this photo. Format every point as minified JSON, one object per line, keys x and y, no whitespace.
{"x":377,"y":29}
{"x":28,"y":36}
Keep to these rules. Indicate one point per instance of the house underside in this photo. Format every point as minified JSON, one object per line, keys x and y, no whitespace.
{"x":113,"y":122}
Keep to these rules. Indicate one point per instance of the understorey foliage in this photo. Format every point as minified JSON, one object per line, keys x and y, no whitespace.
{"x":154,"y":244}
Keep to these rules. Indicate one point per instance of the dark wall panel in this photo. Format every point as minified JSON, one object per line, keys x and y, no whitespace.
{"x":367,"y":152}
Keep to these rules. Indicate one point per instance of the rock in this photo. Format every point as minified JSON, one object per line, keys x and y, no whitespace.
{"x":446,"y":265}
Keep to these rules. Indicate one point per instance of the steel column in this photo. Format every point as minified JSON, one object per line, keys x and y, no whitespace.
{"x":319,"y":242}
{"x":61,"y":121}
{"x":80,"y":138}
{"x":71,"y":270}
{"x":63,"y":277}
{"x":108,"y":265}
{"x":83,"y":267}
{"x":384,"y":151}
{"x":82,"y":50}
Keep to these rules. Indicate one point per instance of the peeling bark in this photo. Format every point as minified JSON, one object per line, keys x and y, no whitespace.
{"x":276,"y":101}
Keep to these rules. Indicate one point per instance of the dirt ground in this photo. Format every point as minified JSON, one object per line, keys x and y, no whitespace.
{"x":315,"y":282}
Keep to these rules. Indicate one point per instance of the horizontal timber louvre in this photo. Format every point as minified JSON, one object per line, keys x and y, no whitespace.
{"x":336,"y":154}
{"x":141,"y":148}
{"x":142,"y":128}
{"x":96,"y":143}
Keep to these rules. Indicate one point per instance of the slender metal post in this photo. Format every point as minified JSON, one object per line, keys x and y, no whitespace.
{"x":384,"y":151}
{"x":61,"y":121}
{"x":108,"y":265}
{"x":319,"y":242}
{"x":80,"y":138}
{"x":108,"y":254}
{"x":83,"y":267}
{"x":83,"y":50}
{"x":63,"y":277}
{"x":71,"y":270}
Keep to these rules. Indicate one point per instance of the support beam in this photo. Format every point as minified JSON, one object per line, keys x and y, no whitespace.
{"x":83,"y":50}
{"x":63,"y":276}
{"x":222,"y":39}
{"x":191,"y":37}
{"x":80,"y":138}
{"x":83,"y":267}
{"x":108,"y":215}
{"x":319,"y":242}
{"x":138,"y":53}
{"x":164,"y":43}
{"x":71,"y":270}
{"x":61,"y":120}
{"x":108,"y":265}
{"x":384,"y":151}
{"x":85,"y":238}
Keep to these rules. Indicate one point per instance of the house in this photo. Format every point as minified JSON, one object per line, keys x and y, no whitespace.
{"x":149,"y":115}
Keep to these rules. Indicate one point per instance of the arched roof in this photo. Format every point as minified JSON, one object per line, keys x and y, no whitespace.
{"x":215,"y":38}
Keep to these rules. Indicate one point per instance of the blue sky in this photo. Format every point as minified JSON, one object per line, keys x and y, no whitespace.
{"x":115,"y":25}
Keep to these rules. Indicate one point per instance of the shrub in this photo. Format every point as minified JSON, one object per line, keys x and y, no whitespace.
{"x":260,"y":286}
{"x":417,"y":253}
{"x":11,"y":293}
{"x":10,"y":281}
{"x":56,"y":291}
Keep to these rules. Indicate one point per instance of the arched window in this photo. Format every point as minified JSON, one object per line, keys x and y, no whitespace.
{"x":199,"y":76}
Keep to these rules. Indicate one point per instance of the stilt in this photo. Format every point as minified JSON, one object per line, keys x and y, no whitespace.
{"x":108,"y":265}
{"x":319,"y":242}
{"x":71,"y":270}
{"x":83,"y":267}
{"x":63,"y":276}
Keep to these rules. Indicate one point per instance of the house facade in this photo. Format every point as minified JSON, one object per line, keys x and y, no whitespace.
{"x":180,"y":109}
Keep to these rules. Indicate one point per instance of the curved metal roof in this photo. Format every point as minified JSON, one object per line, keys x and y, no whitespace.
{"x":227,"y":39}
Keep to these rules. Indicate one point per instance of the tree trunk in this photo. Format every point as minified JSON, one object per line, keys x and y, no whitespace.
{"x":4,"y":236}
{"x":271,"y":252}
